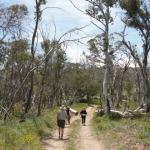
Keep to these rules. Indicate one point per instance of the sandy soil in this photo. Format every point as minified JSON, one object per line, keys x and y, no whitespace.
{"x":53,"y":143}
{"x":86,"y":140}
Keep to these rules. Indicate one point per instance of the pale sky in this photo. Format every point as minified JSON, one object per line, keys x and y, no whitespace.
{"x":69,"y":18}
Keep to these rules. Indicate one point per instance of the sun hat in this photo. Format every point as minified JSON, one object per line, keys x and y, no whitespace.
{"x":62,"y":107}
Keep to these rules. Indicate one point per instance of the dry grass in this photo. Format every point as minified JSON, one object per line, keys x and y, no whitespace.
{"x":128,"y":134}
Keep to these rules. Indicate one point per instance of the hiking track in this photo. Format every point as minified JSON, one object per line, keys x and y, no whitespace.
{"x":86,"y":140}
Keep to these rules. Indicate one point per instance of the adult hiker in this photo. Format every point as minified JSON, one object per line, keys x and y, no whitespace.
{"x":61,"y":117}
{"x":83,"y":114}
{"x":68,"y":114}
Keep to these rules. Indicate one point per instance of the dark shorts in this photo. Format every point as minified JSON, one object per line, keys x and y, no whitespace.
{"x":61,"y":123}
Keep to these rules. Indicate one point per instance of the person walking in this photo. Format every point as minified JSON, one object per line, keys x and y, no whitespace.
{"x":61,"y":117}
{"x":68,"y":114}
{"x":83,"y":114}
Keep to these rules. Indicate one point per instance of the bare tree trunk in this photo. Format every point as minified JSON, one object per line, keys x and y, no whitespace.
{"x":42,"y":87}
{"x":147,"y":92}
{"x":119,"y":98}
{"x":107,"y":84}
{"x":138,"y":87}
{"x":41,"y":97}
{"x":29,"y":100}
{"x":108,"y":66}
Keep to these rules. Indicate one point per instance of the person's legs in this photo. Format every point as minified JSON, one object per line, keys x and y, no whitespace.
{"x":59,"y":130}
{"x":62,"y":133}
{"x":84,"y":120}
{"x":62,"y":126}
{"x":58,"y":124}
{"x":69,"y":120}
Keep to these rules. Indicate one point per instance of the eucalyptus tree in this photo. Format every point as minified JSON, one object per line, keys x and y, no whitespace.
{"x":100,"y":10}
{"x":58,"y":64}
{"x":16,"y":14}
{"x":139,"y":89}
{"x":11,"y":25}
{"x":12,"y":47}
{"x":137,"y":16}
{"x":52,"y":73}
{"x":18,"y":61}
{"x":46,"y":47}
{"x":38,"y":15}
{"x":11,"y":20}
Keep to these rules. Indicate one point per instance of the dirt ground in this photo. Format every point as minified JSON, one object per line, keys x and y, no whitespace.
{"x":86,"y":140}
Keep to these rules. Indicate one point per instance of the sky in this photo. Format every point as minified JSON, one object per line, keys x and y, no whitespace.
{"x":68,"y":18}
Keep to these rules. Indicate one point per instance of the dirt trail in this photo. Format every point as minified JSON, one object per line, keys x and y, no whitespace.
{"x":86,"y":140}
{"x":53,"y":143}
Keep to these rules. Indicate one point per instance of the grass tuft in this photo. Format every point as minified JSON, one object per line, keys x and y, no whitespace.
{"x":123,"y":133}
{"x":27,"y":135}
{"x":71,"y":144}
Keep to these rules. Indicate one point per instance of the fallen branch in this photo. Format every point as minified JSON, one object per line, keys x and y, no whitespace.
{"x":126,"y":114}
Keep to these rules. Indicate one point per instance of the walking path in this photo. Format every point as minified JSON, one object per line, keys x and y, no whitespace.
{"x":86,"y":140}
{"x":53,"y":143}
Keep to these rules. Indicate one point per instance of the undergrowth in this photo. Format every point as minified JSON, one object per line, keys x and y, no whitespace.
{"x":123,"y":133}
{"x":27,"y":135}
{"x":71,"y":144}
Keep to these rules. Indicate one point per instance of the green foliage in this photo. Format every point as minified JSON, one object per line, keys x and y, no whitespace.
{"x":19,"y":45}
{"x":27,"y":135}
{"x":43,"y":2}
{"x":3,"y":51}
{"x":97,"y":8}
{"x":18,"y":9}
{"x":18,"y":51}
{"x":23,"y":57}
{"x":81,"y":80}
{"x":132,"y":7}
{"x":109,"y":2}
{"x":114,"y":116}
{"x":123,"y":133}
{"x":73,"y":135}
{"x":59,"y":59}
{"x":128,"y":87}
{"x":79,"y":106}
{"x":46,"y":45}
{"x":136,"y":11}
{"x":95,"y":100}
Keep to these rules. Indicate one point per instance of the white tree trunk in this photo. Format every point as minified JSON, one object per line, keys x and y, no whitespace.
{"x":107,"y":83}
